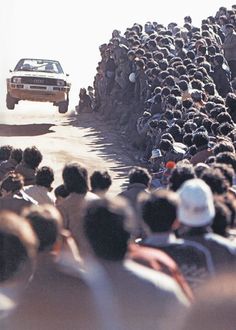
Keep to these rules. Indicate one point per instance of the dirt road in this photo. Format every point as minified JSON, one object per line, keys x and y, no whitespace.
{"x":65,"y":138}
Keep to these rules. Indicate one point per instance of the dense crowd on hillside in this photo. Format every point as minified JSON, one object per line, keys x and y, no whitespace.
{"x":161,"y":254}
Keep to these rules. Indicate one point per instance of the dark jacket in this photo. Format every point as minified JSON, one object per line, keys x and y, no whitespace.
{"x":222,"y":81}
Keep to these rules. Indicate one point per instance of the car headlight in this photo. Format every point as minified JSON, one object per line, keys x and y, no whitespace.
{"x":16,"y":80}
{"x":60,"y":82}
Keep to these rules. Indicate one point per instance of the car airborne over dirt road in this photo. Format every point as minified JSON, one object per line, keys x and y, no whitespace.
{"x":38,"y":80}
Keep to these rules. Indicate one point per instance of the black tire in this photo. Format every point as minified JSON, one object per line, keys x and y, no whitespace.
{"x":63,"y":107}
{"x":10,"y":101}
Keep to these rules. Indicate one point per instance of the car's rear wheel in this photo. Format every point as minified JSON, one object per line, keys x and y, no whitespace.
{"x":10,"y":101}
{"x":63,"y":107}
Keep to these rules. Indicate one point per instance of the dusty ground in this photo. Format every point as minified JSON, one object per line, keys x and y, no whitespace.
{"x":64,"y":138}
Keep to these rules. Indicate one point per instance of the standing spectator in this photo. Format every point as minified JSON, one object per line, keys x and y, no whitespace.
{"x":221,"y":77}
{"x":229,"y":47}
{"x":141,"y":82}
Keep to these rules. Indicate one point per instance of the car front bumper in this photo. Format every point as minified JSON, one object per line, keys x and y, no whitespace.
{"x":40,"y":93}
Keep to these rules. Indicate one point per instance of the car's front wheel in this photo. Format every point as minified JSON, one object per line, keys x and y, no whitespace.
{"x":10,"y":101}
{"x":63,"y":107}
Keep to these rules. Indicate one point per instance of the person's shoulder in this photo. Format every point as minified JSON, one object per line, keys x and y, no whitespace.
{"x":222,"y":241}
{"x":162,"y":283}
{"x":91,"y":196}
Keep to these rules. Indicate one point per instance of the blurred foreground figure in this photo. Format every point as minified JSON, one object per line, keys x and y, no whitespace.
{"x":57,"y":298}
{"x":215,"y":306}
{"x":18,"y":246}
{"x":130,"y":294}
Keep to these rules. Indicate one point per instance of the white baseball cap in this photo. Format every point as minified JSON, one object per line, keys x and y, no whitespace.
{"x":196,"y":207}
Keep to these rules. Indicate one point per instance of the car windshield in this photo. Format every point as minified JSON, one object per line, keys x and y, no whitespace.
{"x":39,"y":66}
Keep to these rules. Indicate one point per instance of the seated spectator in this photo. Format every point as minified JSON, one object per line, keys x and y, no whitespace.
{"x":13,"y":199}
{"x":10,"y":164}
{"x":85,"y":102}
{"x":170,"y":152}
{"x":31,"y":159}
{"x":100,"y":182}
{"x":41,"y":191}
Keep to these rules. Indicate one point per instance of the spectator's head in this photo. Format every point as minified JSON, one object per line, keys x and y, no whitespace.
{"x":108,"y":225}
{"x":196,"y":206}
{"x":210,"y":89}
{"x":100,"y":181}
{"x":159,"y":210}
{"x":225,"y":128}
{"x":18,"y":245}
{"x":187,"y":139}
{"x":165,"y":145}
{"x":219,"y":59}
{"x":45,"y":177}
{"x":168,"y":136}
{"x":75,"y":177}
{"x":227,"y":172}
{"x":139,"y":175}
{"x":200,"y":139}
{"x":32,"y":157}
{"x":5,"y":152}
{"x":215,"y":180}
{"x":12,"y":184}
{"x":16,"y":155}
{"x":227,"y":158}
{"x":60,"y":193}
{"x":179,"y":175}
{"x":46,"y":222}
{"x":200,"y":168}
{"x":230,"y":101}
{"x":183,"y":85}
{"x":223,"y":117}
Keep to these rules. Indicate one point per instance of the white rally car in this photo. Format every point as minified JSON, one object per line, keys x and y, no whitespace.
{"x":38,"y":80}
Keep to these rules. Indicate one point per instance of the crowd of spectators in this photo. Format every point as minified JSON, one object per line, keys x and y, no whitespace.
{"x":170,"y":90}
{"x":76,"y":257}
{"x":161,"y":254}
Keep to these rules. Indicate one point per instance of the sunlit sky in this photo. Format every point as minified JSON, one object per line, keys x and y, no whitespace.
{"x":71,"y":31}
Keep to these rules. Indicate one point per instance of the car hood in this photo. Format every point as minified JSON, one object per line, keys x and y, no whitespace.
{"x":38,"y":74}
